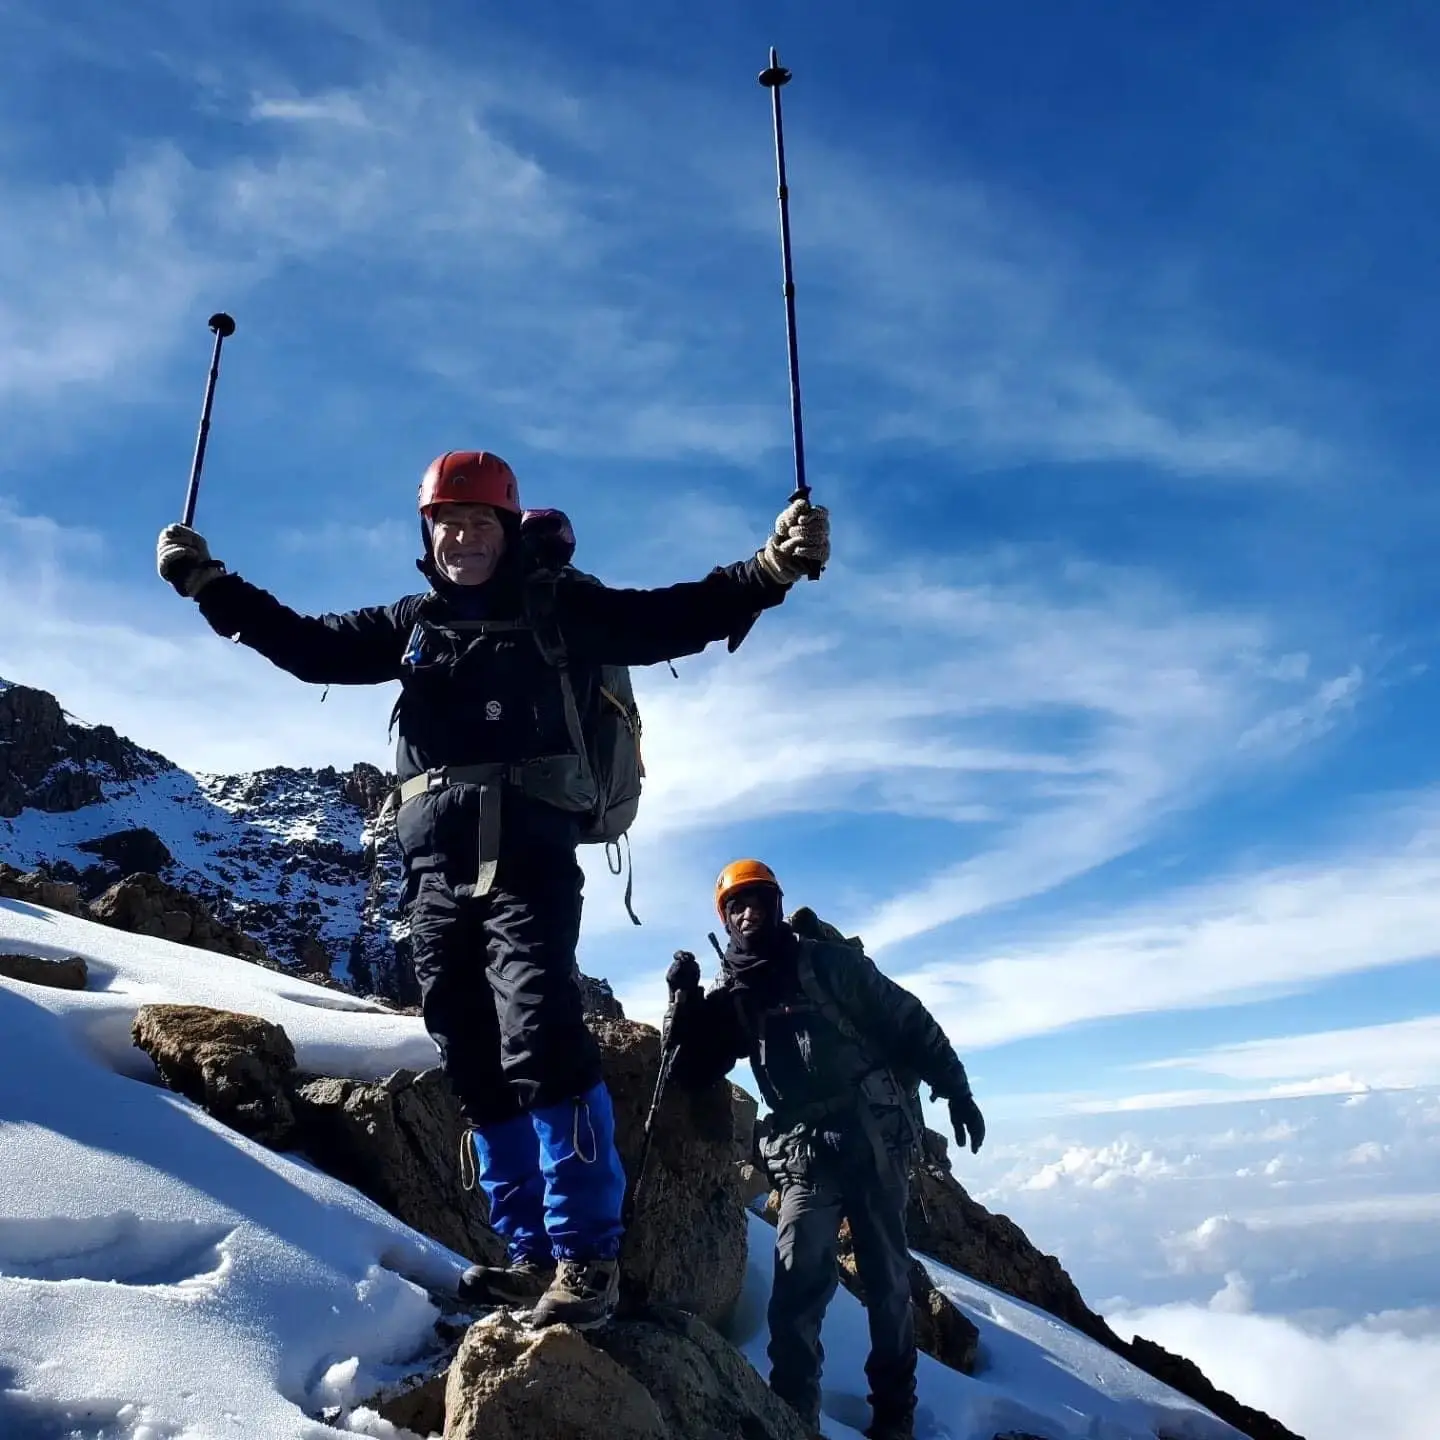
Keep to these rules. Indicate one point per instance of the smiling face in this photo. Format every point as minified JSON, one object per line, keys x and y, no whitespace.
{"x":467,"y":541}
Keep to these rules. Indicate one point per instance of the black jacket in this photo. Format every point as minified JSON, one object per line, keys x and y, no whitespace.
{"x":494,"y":698}
{"x":807,"y":1054}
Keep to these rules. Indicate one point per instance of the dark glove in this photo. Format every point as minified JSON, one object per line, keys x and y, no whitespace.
{"x":683,"y":976}
{"x":183,"y":559}
{"x":965,"y":1117}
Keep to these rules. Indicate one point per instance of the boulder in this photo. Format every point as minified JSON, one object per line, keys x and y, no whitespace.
{"x":702,"y":1386}
{"x":130,"y":851}
{"x":145,"y":905}
{"x":687,"y":1245}
{"x":68,"y":974}
{"x":667,"y":1376}
{"x":510,"y":1383}
{"x":237,"y":1067}
{"x":398,"y":1141}
{"x":36,"y":888}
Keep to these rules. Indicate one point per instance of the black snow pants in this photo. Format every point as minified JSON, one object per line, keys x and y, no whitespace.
{"x":499,"y":989}
{"x":873,"y":1196}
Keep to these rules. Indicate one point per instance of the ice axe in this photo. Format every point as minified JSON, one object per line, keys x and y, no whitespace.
{"x":667,"y":1062}
{"x":223,"y":326}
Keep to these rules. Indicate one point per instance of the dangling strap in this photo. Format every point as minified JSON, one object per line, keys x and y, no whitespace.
{"x":469,"y":1171}
{"x":617,"y":864}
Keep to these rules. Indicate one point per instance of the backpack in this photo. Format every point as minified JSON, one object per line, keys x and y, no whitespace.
{"x":610,"y":741}
{"x":809,"y":926}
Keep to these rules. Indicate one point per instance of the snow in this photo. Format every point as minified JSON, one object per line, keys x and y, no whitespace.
{"x":163,"y":1278}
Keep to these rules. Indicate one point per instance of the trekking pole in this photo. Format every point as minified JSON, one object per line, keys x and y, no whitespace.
{"x":773,"y":79}
{"x":667,"y":1061}
{"x":223,"y":326}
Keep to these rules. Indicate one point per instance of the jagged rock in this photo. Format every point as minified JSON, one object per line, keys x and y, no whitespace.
{"x":38,"y":889}
{"x":688,"y":1243}
{"x":942,"y":1329}
{"x":1186,"y":1377}
{"x":398,"y":1141}
{"x":510,"y":1383}
{"x":131,"y":851}
{"x":366,"y":788}
{"x":51,"y":762}
{"x":238,"y":1067}
{"x":146,"y":905}
{"x":67,"y":974}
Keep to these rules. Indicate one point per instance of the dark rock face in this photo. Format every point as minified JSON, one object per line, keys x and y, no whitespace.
{"x":146,"y":905}
{"x":129,"y":852}
{"x":50,"y":762}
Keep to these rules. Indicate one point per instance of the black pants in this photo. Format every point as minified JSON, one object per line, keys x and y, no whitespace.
{"x":498,"y":984}
{"x":806,"y":1274}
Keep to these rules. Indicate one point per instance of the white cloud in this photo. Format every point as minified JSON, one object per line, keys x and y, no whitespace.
{"x":1357,"y":1383}
{"x":1373,"y":904}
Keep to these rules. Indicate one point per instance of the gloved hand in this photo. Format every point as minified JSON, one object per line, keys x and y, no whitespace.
{"x":801,"y":540}
{"x":965,"y":1117}
{"x":183,"y":559}
{"x":683,"y":976}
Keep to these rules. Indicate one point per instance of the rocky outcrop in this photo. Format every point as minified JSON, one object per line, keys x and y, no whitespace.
{"x":146,"y":905}
{"x":130,"y":852}
{"x":238,"y":1067}
{"x":687,"y":1246}
{"x":666,"y":1377}
{"x":68,"y":974}
{"x":1185,"y":1376}
{"x":942,"y":1329}
{"x":398,"y":1141}
{"x":50,"y":762}
{"x":36,"y":888}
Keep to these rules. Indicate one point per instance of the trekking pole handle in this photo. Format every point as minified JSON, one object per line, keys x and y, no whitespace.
{"x":718,"y":948}
{"x":223,"y":326}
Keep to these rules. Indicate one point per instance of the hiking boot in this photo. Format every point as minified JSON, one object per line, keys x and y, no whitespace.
{"x":582,"y":1295}
{"x":520,"y":1283}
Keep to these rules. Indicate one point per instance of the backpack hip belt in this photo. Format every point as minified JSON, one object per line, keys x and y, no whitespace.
{"x":558,"y":780}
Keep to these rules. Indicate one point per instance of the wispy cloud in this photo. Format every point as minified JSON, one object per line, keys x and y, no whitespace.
{"x":1283,"y":928}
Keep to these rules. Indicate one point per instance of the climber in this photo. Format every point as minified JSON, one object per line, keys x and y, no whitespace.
{"x":838,"y":1051}
{"x":493,"y":786}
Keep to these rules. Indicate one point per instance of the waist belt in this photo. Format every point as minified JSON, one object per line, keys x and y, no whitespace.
{"x":490,"y":780}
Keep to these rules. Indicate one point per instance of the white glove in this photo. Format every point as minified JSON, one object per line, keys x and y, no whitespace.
{"x":800,"y":543}
{"x":183,"y":559}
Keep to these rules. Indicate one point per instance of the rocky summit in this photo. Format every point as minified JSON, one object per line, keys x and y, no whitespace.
{"x":290,"y":857}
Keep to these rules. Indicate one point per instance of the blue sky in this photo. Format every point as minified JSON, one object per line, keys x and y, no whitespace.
{"x":1109,"y":726}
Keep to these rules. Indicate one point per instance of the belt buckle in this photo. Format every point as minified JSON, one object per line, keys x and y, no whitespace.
{"x":435,"y":781}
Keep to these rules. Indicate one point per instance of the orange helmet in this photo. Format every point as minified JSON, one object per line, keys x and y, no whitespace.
{"x":469,"y":477}
{"x":737,"y":875}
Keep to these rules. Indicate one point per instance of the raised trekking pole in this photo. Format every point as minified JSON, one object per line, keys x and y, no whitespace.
{"x":223,"y":326}
{"x":667,"y":1061}
{"x":773,"y":78}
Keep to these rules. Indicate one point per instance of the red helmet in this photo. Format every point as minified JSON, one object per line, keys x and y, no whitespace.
{"x":469,"y":477}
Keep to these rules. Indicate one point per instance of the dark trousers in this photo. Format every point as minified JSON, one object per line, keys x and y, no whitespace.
{"x":498,"y":984}
{"x":806,"y":1274}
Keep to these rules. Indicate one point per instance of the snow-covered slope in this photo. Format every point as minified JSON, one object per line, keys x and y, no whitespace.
{"x":285,"y":855}
{"x":162,"y":1278}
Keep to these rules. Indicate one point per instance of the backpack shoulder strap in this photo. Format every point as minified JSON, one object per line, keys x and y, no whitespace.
{"x":819,"y":994}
